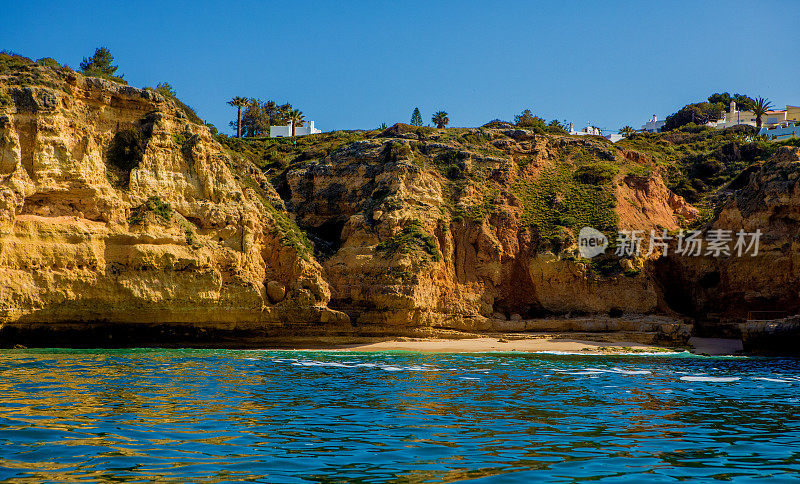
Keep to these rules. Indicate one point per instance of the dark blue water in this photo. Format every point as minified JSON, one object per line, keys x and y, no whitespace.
{"x":227,"y":416}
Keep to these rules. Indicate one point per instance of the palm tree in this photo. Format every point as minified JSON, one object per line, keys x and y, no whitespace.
{"x":296,"y":118}
{"x":760,"y":106}
{"x":239,"y":103}
{"x":440,"y":119}
{"x":626,"y":131}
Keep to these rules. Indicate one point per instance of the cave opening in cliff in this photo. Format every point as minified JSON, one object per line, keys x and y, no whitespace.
{"x":675,"y":290}
{"x":125,"y":153}
{"x":327,"y":238}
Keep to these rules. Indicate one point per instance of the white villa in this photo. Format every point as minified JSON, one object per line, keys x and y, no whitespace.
{"x":776,"y":117}
{"x":653,"y":126}
{"x":589,"y":130}
{"x":283,"y":131}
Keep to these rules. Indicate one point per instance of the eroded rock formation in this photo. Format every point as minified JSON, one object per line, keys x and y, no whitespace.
{"x":487,"y":262}
{"x":114,"y":207}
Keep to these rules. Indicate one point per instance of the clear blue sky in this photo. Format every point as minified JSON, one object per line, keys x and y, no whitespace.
{"x":354,"y":65}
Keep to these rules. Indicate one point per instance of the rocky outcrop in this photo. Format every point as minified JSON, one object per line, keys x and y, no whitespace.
{"x":645,"y":202}
{"x":487,"y":265}
{"x":732,"y":286}
{"x":114,"y":207}
{"x":780,"y":336}
{"x":469,"y":256}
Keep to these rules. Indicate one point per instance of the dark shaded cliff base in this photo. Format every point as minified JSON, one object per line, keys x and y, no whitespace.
{"x":592,"y":336}
{"x":546,"y":335}
{"x":437,"y":341}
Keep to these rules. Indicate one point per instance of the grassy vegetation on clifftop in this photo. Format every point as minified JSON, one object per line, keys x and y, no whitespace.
{"x":569,"y":185}
{"x":276,"y":155}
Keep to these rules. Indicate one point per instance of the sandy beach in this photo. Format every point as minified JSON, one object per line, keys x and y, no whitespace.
{"x":526,"y":344}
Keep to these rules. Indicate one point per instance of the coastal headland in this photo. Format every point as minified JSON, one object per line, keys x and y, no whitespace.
{"x":124,"y":220}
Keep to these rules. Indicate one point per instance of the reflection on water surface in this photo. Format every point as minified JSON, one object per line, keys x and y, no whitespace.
{"x":216,"y":415}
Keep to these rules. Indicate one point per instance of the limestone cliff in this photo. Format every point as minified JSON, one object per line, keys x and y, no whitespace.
{"x":475,"y":229}
{"x":427,"y":229}
{"x":765,"y":197}
{"x":114,"y":207}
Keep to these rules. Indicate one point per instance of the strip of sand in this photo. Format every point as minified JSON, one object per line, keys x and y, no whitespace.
{"x":491,"y":344}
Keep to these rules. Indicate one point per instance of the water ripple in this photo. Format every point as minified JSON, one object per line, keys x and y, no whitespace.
{"x":225,"y":416}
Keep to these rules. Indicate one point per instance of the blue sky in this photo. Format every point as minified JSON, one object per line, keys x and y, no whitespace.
{"x":356,"y":64}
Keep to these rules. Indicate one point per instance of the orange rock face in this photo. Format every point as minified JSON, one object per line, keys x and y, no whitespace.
{"x":114,"y":207}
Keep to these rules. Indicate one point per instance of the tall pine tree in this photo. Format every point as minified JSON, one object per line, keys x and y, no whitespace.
{"x":99,"y":65}
{"x":416,"y":118}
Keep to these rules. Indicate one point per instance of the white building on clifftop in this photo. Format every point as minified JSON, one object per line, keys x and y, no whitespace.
{"x":589,"y":130}
{"x":653,"y":126}
{"x":774,"y":117}
{"x":285,"y":131}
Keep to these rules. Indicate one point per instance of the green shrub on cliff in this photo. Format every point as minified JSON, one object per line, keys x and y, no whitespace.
{"x":478,"y":212}
{"x":179,"y":139}
{"x":394,"y":150}
{"x":451,"y":164}
{"x":48,"y":62}
{"x":166,"y":90}
{"x":596,"y":173}
{"x":9,"y":61}
{"x":411,"y":237}
{"x":643,"y":171}
{"x":558,"y":199}
{"x":154,"y":205}
{"x":476,"y":138}
{"x":289,"y":233}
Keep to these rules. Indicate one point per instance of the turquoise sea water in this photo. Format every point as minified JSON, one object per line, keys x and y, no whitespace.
{"x":228,"y":416}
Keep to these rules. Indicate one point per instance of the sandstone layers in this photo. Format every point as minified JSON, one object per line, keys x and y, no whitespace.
{"x":483,"y":270}
{"x":115,"y":208}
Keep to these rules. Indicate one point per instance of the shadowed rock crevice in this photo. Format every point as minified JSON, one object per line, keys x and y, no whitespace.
{"x":327,"y":238}
{"x":124,"y":153}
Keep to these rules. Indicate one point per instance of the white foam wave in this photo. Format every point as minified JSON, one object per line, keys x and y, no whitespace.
{"x":335,"y":364}
{"x":600,"y":353}
{"x":621,"y":371}
{"x":598,"y":371}
{"x":713,"y":379}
